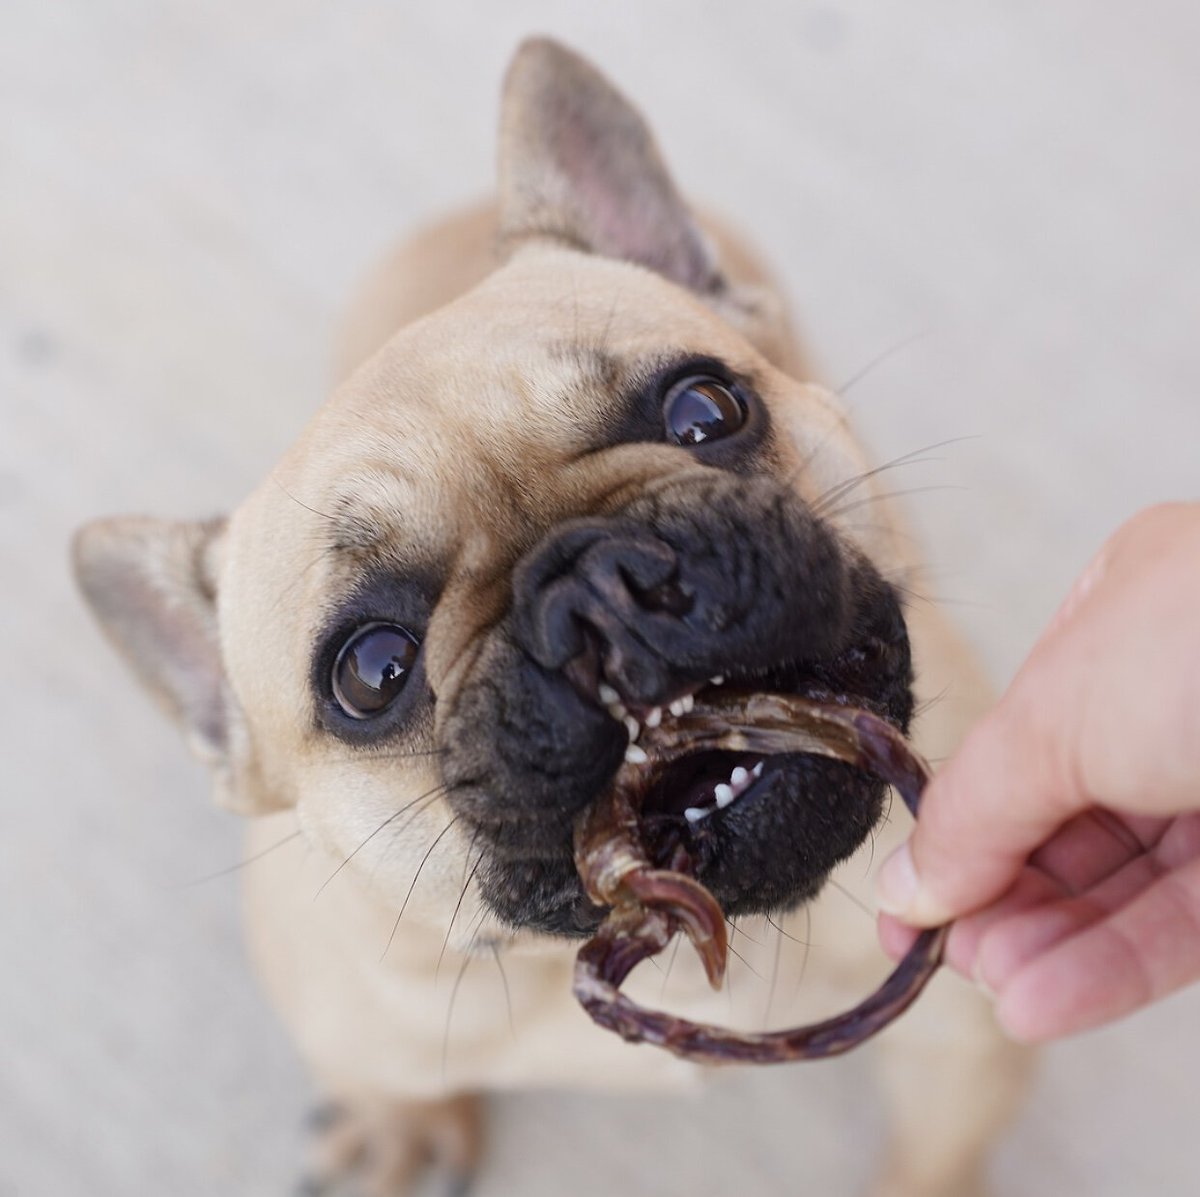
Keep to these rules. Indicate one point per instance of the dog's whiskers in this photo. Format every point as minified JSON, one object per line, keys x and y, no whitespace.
{"x":787,"y":934}
{"x":884,"y":496}
{"x":848,"y":407}
{"x":932,"y":701}
{"x":742,"y":931}
{"x":878,"y":360}
{"x":396,"y":832}
{"x":853,"y":380}
{"x":729,"y":990}
{"x":670,"y":965}
{"x":467,"y":856}
{"x":847,"y":485}
{"x":853,"y":897}
{"x":512,"y":1029}
{"x":941,"y":600}
{"x":920,"y":456}
{"x":241,"y":864}
{"x":902,"y":577}
{"x":747,"y":963}
{"x":387,"y":822}
{"x":807,"y":942}
{"x":766,"y":1018}
{"x":462,"y":972}
{"x":416,"y":876}
{"x":886,"y":817}
{"x":458,"y":904}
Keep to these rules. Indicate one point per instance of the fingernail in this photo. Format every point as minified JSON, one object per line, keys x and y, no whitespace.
{"x":896,"y":885}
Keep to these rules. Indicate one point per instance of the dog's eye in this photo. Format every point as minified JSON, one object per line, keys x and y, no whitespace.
{"x":702,"y":409}
{"x":372,"y":667}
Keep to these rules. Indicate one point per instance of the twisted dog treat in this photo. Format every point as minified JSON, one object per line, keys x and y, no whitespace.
{"x":649,"y":905}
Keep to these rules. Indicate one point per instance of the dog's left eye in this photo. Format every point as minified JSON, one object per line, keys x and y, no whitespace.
{"x":702,"y":409}
{"x":372,"y":667}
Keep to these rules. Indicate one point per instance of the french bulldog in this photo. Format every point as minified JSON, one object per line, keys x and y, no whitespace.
{"x":571,"y":476}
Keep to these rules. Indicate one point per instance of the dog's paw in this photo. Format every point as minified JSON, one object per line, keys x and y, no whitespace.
{"x":379,"y":1147}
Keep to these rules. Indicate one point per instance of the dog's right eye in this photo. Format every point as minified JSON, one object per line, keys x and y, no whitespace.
{"x":702,"y":409}
{"x":372,"y":668}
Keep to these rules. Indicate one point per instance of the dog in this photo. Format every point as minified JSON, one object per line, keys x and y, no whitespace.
{"x":571,"y":475}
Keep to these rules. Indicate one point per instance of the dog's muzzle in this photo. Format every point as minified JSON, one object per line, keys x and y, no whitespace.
{"x":616,"y":622}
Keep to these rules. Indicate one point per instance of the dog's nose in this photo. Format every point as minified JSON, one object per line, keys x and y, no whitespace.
{"x":592,"y":597}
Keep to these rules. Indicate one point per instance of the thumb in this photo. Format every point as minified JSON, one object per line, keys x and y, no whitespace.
{"x":998,"y":799}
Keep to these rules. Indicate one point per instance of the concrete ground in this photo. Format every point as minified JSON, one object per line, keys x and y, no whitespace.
{"x":187,"y":193}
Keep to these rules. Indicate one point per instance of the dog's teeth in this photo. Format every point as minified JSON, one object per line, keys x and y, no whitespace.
{"x":757,"y":771}
{"x":676,"y":708}
{"x":633,"y":727}
{"x":694,"y":814}
{"x":717,"y":679}
{"x":635,"y":755}
{"x":738,"y":777}
{"x":654,"y":718}
{"x":688,"y":702}
{"x":724,"y":795}
{"x":608,"y":695}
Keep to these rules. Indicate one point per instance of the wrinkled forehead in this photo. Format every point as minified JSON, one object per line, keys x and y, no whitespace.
{"x":536,"y":353}
{"x":486,"y":401}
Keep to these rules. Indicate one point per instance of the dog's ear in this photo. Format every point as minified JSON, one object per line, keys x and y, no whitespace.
{"x":152,"y":586}
{"x":578,"y":163}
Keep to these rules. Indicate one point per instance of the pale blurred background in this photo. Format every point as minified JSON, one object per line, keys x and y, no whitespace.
{"x":1000,"y":199}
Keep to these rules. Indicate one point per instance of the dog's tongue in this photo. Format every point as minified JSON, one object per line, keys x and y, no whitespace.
{"x":651,"y":903}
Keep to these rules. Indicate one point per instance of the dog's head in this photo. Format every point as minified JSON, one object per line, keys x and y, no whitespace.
{"x":550,"y":510}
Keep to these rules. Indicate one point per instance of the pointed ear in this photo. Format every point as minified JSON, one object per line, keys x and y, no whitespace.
{"x":152,"y":584}
{"x":153,"y":587}
{"x":578,"y":163}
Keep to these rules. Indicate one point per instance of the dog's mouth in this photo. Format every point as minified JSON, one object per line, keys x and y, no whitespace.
{"x":700,"y":784}
{"x":689,"y":791}
{"x":694,"y":790}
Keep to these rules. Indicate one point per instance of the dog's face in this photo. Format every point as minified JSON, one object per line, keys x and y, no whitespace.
{"x":566,"y":501}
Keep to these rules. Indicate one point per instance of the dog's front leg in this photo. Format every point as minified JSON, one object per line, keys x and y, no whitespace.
{"x":380,"y":1147}
{"x":951,"y":1082}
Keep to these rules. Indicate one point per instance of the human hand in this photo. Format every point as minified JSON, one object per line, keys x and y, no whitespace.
{"x":1064,"y":836}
